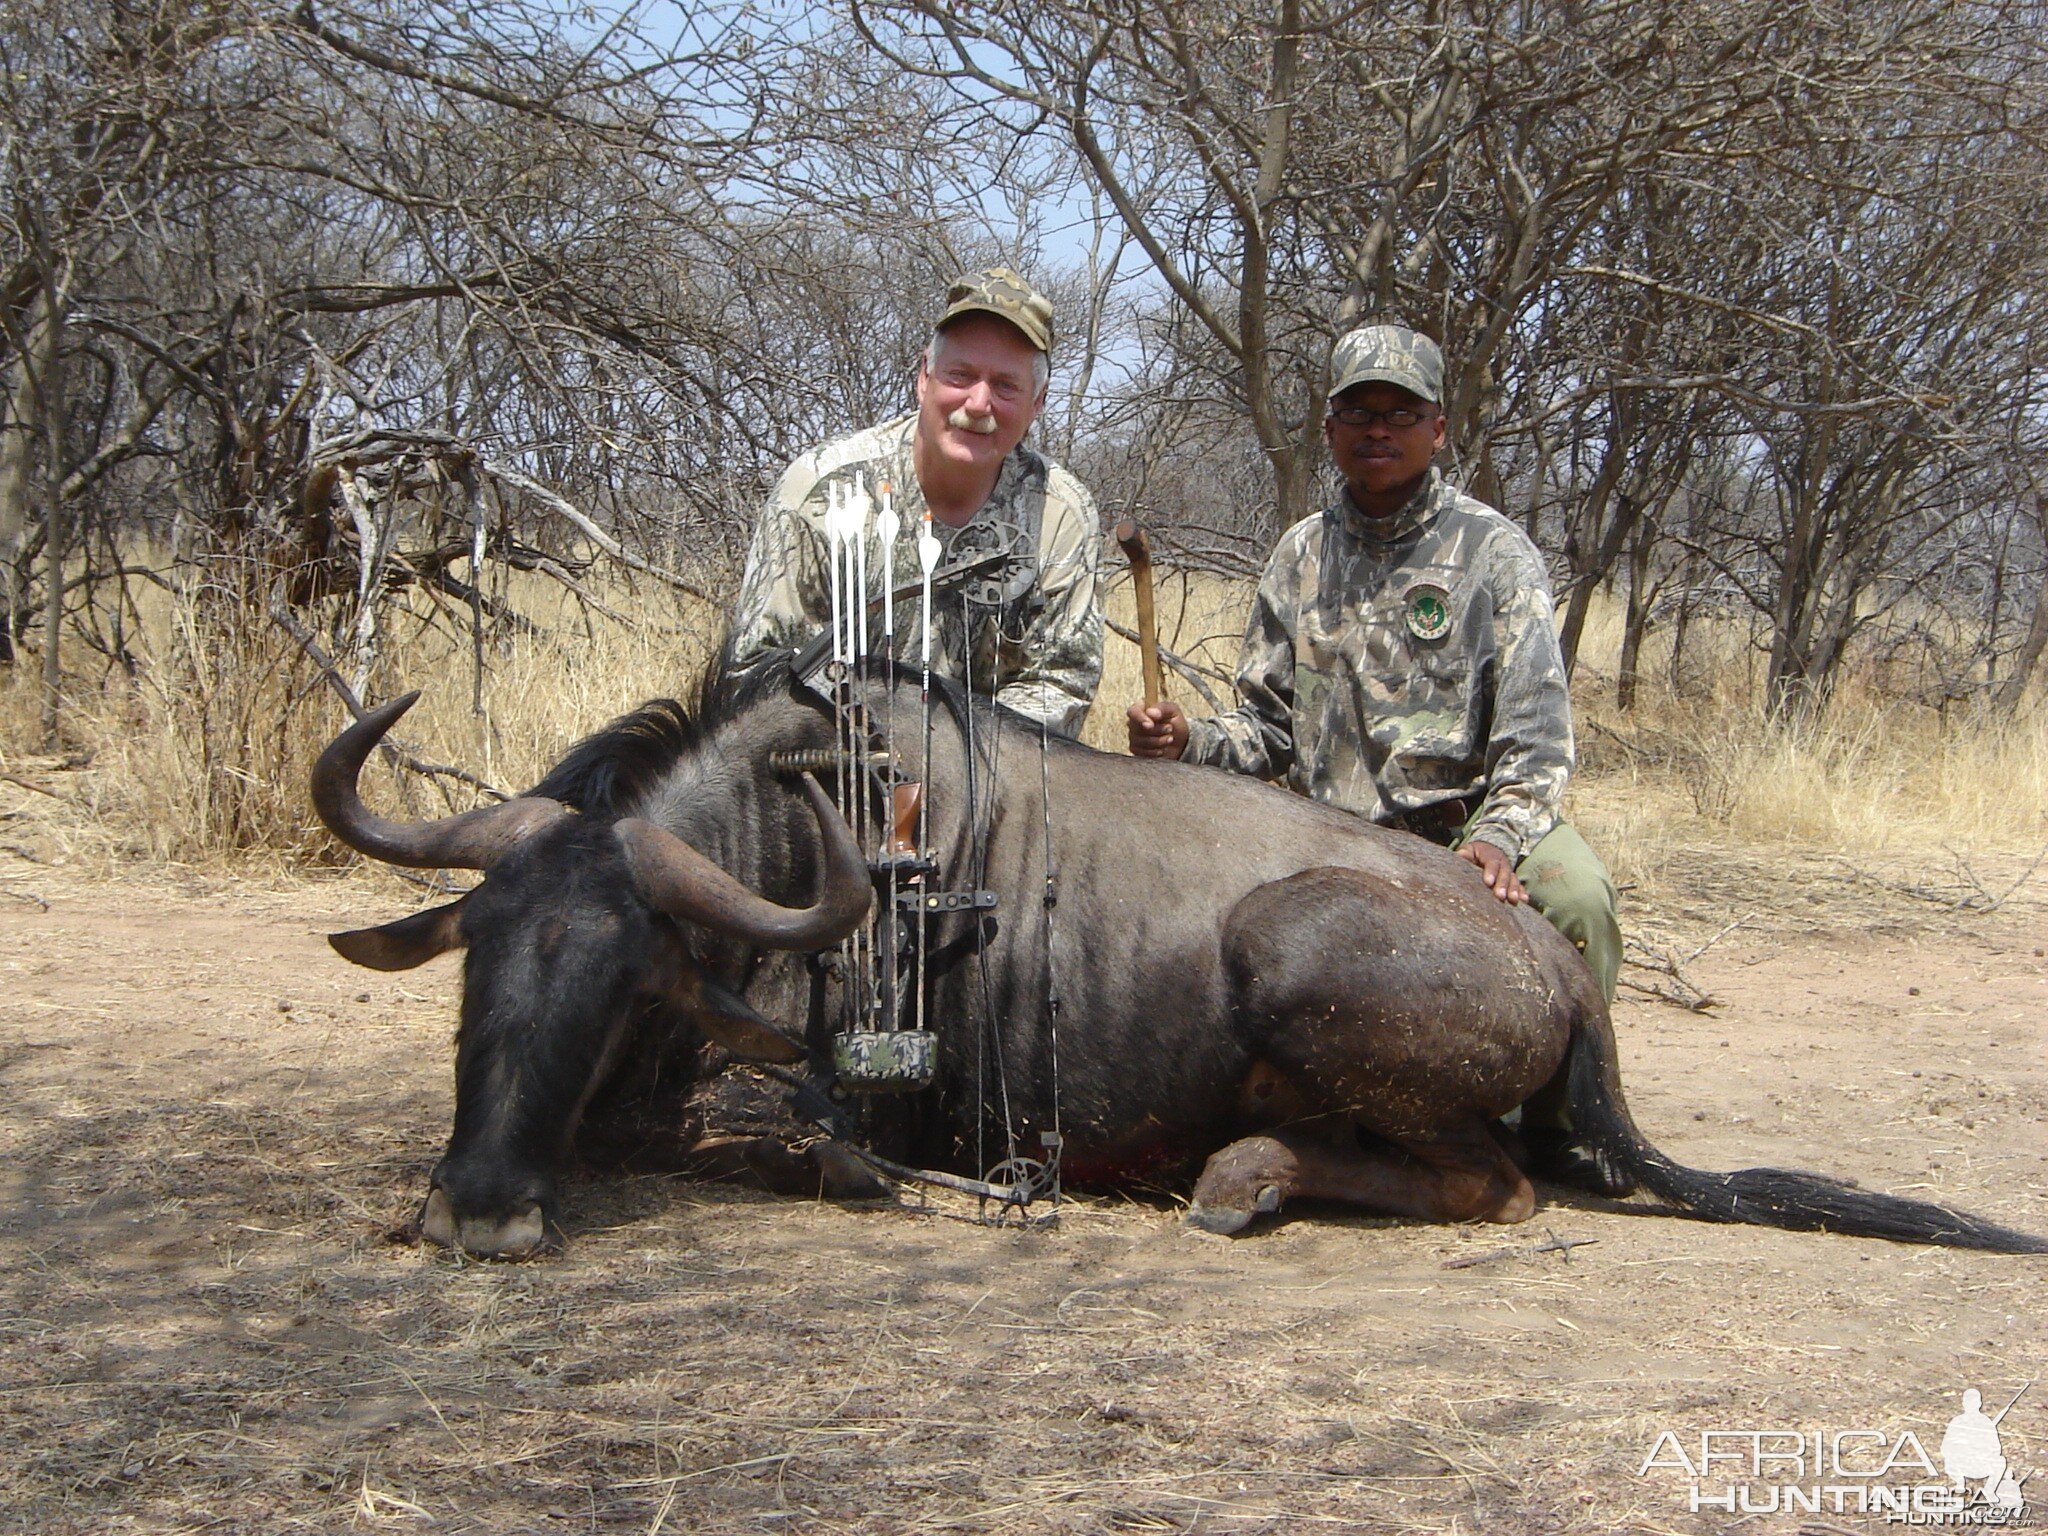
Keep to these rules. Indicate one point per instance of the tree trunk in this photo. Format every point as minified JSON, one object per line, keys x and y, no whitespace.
{"x":1787,"y":685}
{"x":56,"y":523}
{"x":19,"y":431}
{"x":1594,"y":549}
{"x":1294,"y":484}
{"x":1641,"y":593}
{"x":2028,"y":658}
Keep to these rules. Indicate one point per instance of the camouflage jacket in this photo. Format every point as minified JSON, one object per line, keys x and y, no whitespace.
{"x":1039,"y":652}
{"x":1392,"y":667}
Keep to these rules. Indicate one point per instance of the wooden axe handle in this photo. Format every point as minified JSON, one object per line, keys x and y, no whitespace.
{"x":1131,"y":538}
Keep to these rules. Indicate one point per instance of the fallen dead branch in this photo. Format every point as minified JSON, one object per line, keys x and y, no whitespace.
{"x":15,"y":778}
{"x":1967,"y":893}
{"x":1682,"y":991}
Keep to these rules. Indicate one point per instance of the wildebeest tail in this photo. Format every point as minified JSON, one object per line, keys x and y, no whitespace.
{"x":1764,"y":1197}
{"x":607,"y":770}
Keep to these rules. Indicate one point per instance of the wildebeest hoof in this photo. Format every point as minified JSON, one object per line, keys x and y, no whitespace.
{"x":519,"y":1236}
{"x":1226,"y":1220}
{"x":1223,"y":1220}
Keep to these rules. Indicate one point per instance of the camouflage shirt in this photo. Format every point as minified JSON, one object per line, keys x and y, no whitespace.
{"x":1398,"y":664}
{"x":1039,"y":652}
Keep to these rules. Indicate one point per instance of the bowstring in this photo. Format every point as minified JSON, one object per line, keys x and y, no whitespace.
{"x":979,"y":822}
{"x":1052,"y":994}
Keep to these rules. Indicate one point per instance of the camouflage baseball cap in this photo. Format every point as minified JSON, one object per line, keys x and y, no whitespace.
{"x":1002,"y":293}
{"x":1388,"y":354}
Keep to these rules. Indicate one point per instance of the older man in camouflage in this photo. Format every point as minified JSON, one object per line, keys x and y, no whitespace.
{"x":1401,"y":662}
{"x":960,"y":454}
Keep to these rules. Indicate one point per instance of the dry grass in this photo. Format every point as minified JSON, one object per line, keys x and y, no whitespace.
{"x":1871,"y":782}
{"x":203,"y":756}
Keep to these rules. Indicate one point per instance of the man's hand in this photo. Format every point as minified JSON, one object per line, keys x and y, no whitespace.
{"x":1158,"y":730}
{"x":1495,"y":867}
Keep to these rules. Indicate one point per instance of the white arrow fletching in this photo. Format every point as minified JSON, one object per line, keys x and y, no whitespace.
{"x":834,"y":540}
{"x":927,"y":561}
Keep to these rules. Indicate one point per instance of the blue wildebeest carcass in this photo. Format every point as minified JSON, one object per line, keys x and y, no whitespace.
{"x":1276,"y":992}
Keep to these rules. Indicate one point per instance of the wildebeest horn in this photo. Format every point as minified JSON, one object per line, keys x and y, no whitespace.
{"x":682,"y":882}
{"x":473,"y":840}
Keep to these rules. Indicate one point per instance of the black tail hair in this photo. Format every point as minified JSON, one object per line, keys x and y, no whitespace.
{"x":1764,"y":1197}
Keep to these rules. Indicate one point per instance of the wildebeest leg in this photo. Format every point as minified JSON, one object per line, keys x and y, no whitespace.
{"x":1458,"y":1176}
{"x":1420,"y":1022}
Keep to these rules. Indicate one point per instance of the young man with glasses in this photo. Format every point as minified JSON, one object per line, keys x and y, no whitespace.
{"x":1401,"y":662}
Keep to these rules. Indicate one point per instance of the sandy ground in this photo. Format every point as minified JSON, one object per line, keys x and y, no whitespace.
{"x":212,"y":1131}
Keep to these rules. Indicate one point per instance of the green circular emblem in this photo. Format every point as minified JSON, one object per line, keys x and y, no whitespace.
{"x":1429,"y":610}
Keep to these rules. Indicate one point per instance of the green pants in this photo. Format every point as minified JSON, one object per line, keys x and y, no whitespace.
{"x":1569,"y":885}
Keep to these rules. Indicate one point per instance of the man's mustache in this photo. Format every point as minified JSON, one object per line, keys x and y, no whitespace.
{"x":967,"y":421}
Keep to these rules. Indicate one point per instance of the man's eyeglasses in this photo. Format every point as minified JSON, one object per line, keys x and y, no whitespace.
{"x":1359,"y":416}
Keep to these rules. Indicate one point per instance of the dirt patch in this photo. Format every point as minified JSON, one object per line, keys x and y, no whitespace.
{"x":211,"y":1127}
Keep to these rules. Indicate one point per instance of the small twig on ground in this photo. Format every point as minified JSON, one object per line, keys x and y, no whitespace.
{"x":1552,"y":1244}
{"x":23,"y":853}
{"x":1691,"y":1003}
{"x":1683,"y":992}
{"x":1993,"y":903}
{"x":439,"y":884}
{"x":28,"y":896}
{"x":15,"y":778}
{"x":1717,"y":938}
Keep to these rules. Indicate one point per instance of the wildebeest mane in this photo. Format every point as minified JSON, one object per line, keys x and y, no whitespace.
{"x":607,"y":769}
{"x":610,"y":768}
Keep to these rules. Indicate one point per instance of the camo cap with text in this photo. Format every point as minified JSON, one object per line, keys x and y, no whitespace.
{"x":1388,"y":354}
{"x":1002,"y":293}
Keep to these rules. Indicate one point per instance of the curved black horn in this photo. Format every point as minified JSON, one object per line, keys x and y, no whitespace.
{"x":474,"y":840}
{"x":678,"y":880}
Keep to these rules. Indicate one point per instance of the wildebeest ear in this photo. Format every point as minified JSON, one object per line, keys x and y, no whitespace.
{"x":401,"y":945}
{"x":728,"y":1018}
